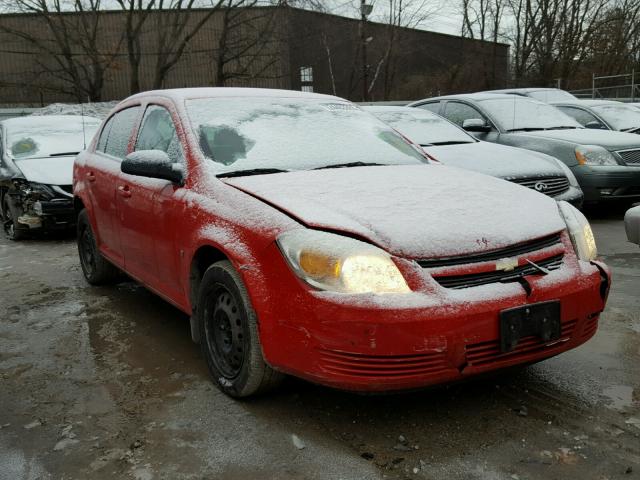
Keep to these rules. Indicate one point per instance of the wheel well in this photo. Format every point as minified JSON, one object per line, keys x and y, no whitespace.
{"x":205,"y":257}
{"x":77,"y":205}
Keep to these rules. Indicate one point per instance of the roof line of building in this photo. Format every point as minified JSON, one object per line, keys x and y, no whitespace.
{"x":265,"y":7}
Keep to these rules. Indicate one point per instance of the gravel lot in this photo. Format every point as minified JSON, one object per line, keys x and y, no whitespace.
{"x":105,"y":383}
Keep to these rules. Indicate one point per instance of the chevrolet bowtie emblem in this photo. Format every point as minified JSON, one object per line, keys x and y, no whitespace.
{"x":506,"y":264}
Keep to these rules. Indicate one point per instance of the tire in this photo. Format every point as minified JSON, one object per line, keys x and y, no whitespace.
{"x":229,"y":334}
{"x":96,"y":269}
{"x":11,"y":229}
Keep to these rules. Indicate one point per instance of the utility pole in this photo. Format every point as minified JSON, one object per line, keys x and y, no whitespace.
{"x":364,"y":11}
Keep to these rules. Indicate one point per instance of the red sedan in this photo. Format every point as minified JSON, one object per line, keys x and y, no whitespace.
{"x":305,"y":237}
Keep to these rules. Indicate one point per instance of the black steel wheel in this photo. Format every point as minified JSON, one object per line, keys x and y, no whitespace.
{"x":229,"y":334}
{"x":225,"y":331}
{"x":96,"y":269}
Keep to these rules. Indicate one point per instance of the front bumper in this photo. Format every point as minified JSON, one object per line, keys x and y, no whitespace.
{"x":573,"y":195}
{"x":608,"y":182}
{"x":434,"y":335}
{"x":54,"y":214}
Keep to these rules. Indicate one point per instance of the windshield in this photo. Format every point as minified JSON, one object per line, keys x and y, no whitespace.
{"x":552,"y":95}
{"x":620,"y":117}
{"x":31,"y":137}
{"x":293,"y":134}
{"x":422,"y":127}
{"x":520,"y":113}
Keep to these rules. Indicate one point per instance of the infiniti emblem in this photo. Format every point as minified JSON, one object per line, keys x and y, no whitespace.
{"x":541,"y":186}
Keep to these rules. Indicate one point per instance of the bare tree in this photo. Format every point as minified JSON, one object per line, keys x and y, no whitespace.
{"x":69,"y":54}
{"x":248,"y":42}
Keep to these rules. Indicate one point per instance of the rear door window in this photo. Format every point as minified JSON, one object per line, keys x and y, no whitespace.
{"x":432,"y":106}
{"x":582,"y":116}
{"x":158,"y":132}
{"x":121,"y":128}
{"x":457,"y":113}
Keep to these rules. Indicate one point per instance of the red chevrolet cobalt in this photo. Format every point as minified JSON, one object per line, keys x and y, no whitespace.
{"x":305,"y":237}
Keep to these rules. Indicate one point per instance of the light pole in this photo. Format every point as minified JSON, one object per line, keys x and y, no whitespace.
{"x":365,"y":10}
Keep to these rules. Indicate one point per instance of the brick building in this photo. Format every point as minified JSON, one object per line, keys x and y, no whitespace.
{"x":276,"y":47}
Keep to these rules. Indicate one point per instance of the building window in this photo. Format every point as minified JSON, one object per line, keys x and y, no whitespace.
{"x":306,"y":74}
{"x":307,"y":88}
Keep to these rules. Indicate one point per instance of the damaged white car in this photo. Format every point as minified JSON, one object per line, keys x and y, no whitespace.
{"x":36,"y":167}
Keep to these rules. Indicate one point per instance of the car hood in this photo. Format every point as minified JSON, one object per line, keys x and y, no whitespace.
{"x":420,"y":211}
{"x":49,"y":170}
{"x":584,"y":136}
{"x":496,"y":160}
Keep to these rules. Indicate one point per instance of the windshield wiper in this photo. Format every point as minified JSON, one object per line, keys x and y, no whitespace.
{"x":563,"y":127}
{"x":451,"y":142}
{"x":526,"y":129}
{"x":251,"y":171}
{"x":349,"y":165}
{"x":63,"y":154}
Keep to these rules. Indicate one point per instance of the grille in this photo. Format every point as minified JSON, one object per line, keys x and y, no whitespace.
{"x":630,"y":156}
{"x":512,"y":251}
{"x":483,"y":278}
{"x":590,"y":327}
{"x":484,"y":353}
{"x":551,"y":186}
{"x":384,"y":366}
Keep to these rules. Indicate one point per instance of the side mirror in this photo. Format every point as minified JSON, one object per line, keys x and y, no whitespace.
{"x":476,"y":125}
{"x":153,"y":164}
{"x":595,"y":125}
{"x":632,"y":224}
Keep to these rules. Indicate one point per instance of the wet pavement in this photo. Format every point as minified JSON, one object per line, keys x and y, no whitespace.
{"x":105,"y":383}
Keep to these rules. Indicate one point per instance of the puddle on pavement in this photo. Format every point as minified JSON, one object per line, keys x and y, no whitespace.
{"x":619,"y":397}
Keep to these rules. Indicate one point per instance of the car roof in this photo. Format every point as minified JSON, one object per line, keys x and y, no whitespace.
{"x":479,"y":96}
{"x":180,"y":94}
{"x":522,"y":90}
{"x":587,"y":103}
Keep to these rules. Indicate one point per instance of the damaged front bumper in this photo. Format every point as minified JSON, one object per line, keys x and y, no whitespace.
{"x":38,"y":206}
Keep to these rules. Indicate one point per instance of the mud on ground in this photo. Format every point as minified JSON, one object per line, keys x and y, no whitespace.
{"x":105,"y":383}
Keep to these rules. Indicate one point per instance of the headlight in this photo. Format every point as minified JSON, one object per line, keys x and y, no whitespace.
{"x":579,"y":231}
{"x":567,"y":171}
{"x":332,"y":262}
{"x":33,"y":189}
{"x":594,"y":155}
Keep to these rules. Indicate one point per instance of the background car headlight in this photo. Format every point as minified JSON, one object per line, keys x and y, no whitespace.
{"x":332,"y":262}
{"x":579,"y":231}
{"x":594,"y":155}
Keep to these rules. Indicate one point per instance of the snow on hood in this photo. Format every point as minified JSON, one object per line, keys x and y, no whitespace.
{"x":587,"y":136}
{"x":411,"y":211}
{"x":496,"y":160}
{"x":50,"y":170}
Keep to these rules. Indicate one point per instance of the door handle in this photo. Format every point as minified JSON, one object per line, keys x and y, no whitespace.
{"x":124,"y":191}
{"x":91,"y":177}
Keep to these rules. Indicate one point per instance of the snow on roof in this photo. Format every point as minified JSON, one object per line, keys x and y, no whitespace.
{"x":179,"y":94}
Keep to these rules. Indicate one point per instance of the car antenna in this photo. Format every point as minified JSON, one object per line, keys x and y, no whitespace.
{"x":84,"y":133}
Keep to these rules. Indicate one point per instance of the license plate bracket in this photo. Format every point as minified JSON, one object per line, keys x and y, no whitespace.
{"x":538,"y":319}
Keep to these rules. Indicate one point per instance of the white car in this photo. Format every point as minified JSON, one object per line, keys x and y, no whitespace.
{"x":36,"y":170}
{"x":632,"y":224}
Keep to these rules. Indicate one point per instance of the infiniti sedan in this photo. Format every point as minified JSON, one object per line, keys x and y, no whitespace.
{"x":603,"y":115}
{"x":606,"y":164}
{"x":303,"y":236}
{"x":452,"y":146}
